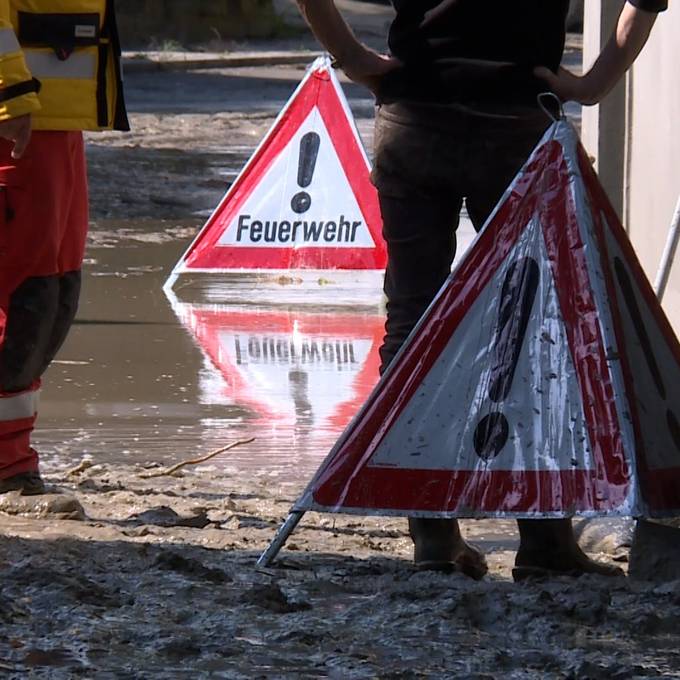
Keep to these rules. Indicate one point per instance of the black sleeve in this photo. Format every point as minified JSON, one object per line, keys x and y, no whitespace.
{"x":650,"y":5}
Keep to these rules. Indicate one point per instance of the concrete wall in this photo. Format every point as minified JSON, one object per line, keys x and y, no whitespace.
{"x":604,"y":131}
{"x":635,"y":137}
{"x":194,"y":21}
{"x":654,"y":150}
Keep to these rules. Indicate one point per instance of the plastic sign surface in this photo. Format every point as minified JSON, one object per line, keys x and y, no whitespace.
{"x":304,"y":200}
{"x":543,"y":381}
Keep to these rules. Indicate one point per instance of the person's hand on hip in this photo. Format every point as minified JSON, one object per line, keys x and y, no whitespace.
{"x":17,"y":130}
{"x":367,"y":67}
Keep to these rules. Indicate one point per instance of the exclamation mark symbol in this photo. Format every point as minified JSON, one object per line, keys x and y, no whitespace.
{"x":517,"y":300}
{"x":309,"y":152}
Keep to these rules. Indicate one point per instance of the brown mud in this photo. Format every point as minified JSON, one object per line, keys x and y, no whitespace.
{"x":157,"y":579}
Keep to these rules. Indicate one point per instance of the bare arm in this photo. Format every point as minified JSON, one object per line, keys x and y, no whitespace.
{"x":360,"y":63}
{"x":630,"y":36}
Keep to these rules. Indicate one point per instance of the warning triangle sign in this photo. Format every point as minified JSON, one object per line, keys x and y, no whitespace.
{"x":304,"y":200}
{"x":544,"y":380}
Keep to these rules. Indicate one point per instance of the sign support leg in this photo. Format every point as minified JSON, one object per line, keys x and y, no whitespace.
{"x":668,"y":255}
{"x":286,"y":529}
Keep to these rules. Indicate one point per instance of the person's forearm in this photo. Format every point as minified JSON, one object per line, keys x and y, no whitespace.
{"x":631,"y":34}
{"x":330,"y":29}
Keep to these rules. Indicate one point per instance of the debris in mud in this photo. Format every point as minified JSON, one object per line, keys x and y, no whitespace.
{"x":52,"y":505}
{"x":172,"y":561}
{"x":272,"y":598}
{"x":85,"y":464}
{"x":612,"y":536}
{"x":164,"y":516}
{"x":196,"y":461}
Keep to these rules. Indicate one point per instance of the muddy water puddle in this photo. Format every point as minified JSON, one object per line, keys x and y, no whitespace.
{"x":148,"y":378}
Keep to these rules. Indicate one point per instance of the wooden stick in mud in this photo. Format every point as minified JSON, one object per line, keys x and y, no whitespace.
{"x":197,"y":461}
{"x":85,"y":464}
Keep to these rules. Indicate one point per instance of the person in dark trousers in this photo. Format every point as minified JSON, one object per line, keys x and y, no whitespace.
{"x":458,"y":118}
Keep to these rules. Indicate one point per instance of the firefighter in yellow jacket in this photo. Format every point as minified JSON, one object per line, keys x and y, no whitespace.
{"x":59,"y":75}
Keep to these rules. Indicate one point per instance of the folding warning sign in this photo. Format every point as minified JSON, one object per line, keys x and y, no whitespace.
{"x":543,"y":381}
{"x":304,"y":200}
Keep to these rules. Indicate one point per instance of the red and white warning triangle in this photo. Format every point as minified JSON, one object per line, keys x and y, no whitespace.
{"x":304,"y":200}
{"x":543,"y":381}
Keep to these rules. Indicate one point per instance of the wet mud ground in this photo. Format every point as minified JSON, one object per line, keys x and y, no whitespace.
{"x":121,"y":576}
{"x":156,"y":579}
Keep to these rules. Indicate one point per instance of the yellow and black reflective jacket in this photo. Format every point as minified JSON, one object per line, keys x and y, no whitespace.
{"x":60,"y":61}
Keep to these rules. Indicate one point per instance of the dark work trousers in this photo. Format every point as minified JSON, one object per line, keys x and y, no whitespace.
{"x":428,"y":160}
{"x":43,"y":228}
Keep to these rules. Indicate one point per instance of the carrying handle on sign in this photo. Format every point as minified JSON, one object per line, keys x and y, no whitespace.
{"x":545,"y":100}
{"x":321,"y":64}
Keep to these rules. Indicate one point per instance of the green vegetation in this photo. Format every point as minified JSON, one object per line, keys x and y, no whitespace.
{"x":169,"y":24}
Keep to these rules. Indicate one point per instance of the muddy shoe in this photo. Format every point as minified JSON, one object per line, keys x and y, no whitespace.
{"x":548,"y":549}
{"x":439,"y":546}
{"x":572,"y":564}
{"x":29,"y":483}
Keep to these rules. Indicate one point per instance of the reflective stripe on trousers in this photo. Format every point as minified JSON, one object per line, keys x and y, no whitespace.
{"x":18,"y":406}
{"x":18,"y":413}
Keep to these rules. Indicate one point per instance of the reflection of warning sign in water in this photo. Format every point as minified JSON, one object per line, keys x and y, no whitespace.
{"x":544,"y":380}
{"x":304,"y":201}
{"x":309,"y":371}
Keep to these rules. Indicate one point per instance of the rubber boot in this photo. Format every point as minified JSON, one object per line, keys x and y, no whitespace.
{"x":548,"y":548}
{"x":439,"y":546}
{"x":29,"y":483}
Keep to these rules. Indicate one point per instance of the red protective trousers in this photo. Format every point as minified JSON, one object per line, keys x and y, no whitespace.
{"x":43,"y":228}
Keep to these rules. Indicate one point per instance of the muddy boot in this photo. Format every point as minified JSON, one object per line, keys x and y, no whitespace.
{"x":655,"y":555}
{"x":29,"y":483}
{"x":439,"y":546}
{"x":548,"y":548}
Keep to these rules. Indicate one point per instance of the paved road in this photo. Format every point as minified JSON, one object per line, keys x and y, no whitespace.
{"x":192,"y":132}
{"x":254,"y":89}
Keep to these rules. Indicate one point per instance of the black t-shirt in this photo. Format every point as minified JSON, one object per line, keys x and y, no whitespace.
{"x":477,"y":50}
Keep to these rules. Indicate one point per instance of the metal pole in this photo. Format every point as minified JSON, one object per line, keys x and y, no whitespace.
{"x":286,"y":529}
{"x":668,"y":255}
